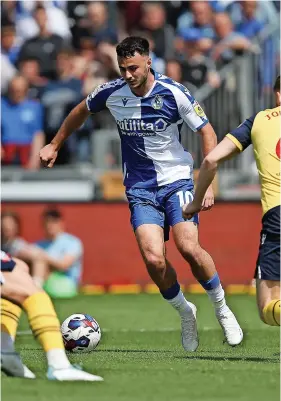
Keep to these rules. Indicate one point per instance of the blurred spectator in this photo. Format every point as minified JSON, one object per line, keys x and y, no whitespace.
{"x":21,"y":125}
{"x":229,"y":42}
{"x":265,"y":12}
{"x":8,"y":71}
{"x":44,"y":46}
{"x":153,"y":20}
{"x":197,"y":69}
{"x":13,"y":243}
{"x":58,"y":98}
{"x":174,"y":70}
{"x":107,"y":57}
{"x":249,"y":26}
{"x":30,"y":69}
{"x":9,"y":45}
{"x":200,"y":17}
{"x":65,"y":253}
{"x":57,"y":22}
{"x":96,"y":25}
{"x":87,"y":67}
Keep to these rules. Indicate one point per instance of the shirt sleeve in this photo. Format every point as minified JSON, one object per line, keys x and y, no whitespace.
{"x":96,"y":101}
{"x":75,"y":248}
{"x":241,"y":135}
{"x":189,"y":109}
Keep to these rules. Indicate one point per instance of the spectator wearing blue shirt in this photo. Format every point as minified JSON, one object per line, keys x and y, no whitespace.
{"x":9,"y":45}
{"x":65,"y":254}
{"x":249,"y":25}
{"x":21,"y":126}
{"x":200,"y":17}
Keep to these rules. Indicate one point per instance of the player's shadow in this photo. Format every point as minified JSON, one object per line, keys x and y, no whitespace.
{"x":230,"y":358}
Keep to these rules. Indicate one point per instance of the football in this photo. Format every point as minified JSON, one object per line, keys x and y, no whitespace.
{"x":81,"y":333}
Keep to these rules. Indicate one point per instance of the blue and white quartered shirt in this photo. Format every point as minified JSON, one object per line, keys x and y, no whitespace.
{"x":149,"y":128}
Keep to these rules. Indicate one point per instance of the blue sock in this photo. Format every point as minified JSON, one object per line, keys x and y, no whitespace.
{"x":211,"y":284}
{"x":171,"y":292}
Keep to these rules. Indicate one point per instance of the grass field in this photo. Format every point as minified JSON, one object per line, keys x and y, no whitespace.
{"x":140,"y":355}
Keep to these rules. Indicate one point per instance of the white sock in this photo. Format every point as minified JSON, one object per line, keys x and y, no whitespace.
{"x":180,"y":304}
{"x":217,"y":298}
{"x":57,"y":358}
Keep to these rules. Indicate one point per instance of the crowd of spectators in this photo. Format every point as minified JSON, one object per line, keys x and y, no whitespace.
{"x":54,"y":53}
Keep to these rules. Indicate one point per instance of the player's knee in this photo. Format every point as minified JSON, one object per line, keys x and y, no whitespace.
{"x":191,"y":251}
{"x":20,"y":288}
{"x":155,"y":261}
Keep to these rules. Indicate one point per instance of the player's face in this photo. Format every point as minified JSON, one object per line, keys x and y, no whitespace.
{"x":135,"y":69}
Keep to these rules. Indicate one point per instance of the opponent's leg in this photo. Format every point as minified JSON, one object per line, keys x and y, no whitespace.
{"x":268,"y":276}
{"x":19,"y":287}
{"x":10,"y":312}
{"x":268,"y":300}
{"x":151,"y":243}
{"x":203,"y":269}
{"x":11,"y":362}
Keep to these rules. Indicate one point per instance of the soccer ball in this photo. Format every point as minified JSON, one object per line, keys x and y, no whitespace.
{"x":81,"y":333}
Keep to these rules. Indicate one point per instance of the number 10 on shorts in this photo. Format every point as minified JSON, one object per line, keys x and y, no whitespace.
{"x":184,"y":197}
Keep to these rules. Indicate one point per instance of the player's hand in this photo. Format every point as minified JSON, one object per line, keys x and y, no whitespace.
{"x":190,"y":209}
{"x":48,"y":155}
{"x":208,"y":200}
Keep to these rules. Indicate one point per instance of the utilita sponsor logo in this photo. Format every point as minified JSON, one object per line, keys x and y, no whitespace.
{"x":138,"y":127}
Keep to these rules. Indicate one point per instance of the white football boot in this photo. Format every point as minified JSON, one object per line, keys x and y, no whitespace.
{"x":189,"y":334}
{"x":232,"y":331}
{"x":71,"y":373}
{"x":12,"y":365}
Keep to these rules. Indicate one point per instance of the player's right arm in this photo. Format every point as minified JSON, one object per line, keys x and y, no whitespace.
{"x":235,"y":142}
{"x":73,"y":121}
{"x":95,"y":102}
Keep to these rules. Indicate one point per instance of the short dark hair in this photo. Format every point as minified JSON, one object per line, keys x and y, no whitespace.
{"x":276,"y":86}
{"x":131,"y":45}
{"x":52,"y":213}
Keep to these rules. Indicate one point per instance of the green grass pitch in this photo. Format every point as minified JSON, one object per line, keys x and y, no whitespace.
{"x":140,"y":355}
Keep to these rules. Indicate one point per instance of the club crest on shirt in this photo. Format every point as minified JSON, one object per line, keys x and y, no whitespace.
{"x":157,"y":102}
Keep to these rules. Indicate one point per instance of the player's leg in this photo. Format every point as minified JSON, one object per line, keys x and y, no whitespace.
{"x":203,"y":269}
{"x":150,"y":239}
{"x":202,"y":265}
{"x":268,"y":300}
{"x":148,"y":221}
{"x":19,"y":288}
{"x":268,"y":279}
{"x":11,"y":362}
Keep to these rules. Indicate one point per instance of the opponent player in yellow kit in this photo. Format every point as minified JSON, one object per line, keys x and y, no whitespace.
{"x":18,"y":291}
{"x":263,"y":132}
